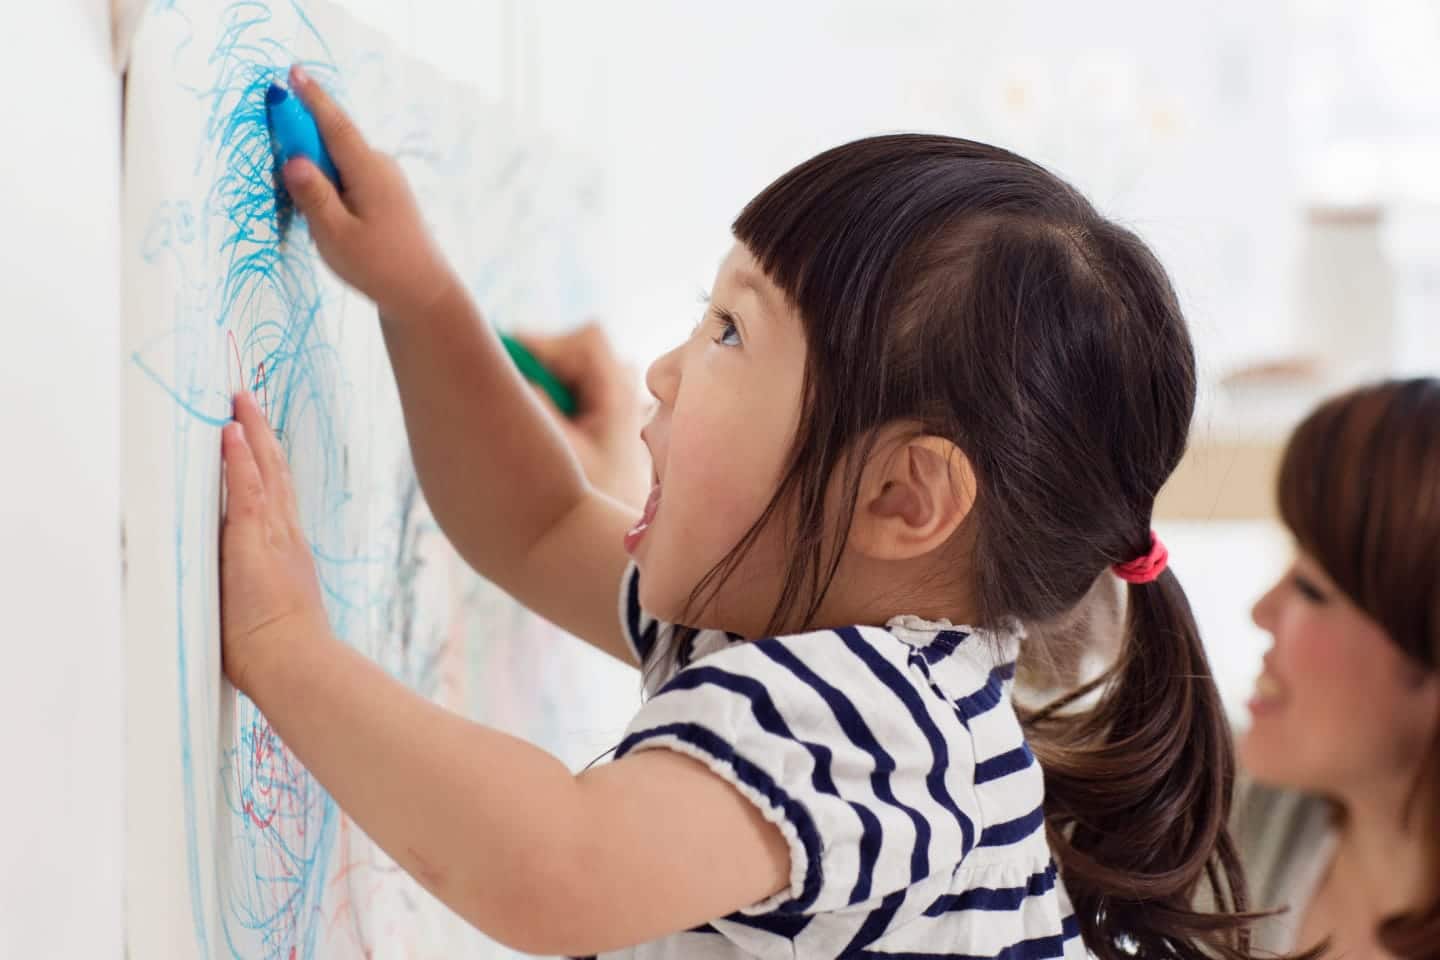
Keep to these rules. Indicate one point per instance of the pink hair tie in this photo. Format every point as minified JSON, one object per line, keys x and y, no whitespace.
{"x":1145,"y":569}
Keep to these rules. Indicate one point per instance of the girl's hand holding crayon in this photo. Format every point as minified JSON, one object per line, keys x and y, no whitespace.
{"x":372,"y":234}
{"x":605,"y":430}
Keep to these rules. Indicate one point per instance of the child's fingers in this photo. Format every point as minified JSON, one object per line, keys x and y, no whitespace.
{"x":342,"y":138}
{"x":577,"y":357}
{"x":268,"y":456}
{"x":582,"y":360}
{"x":245,"y":490}
{"x":566,"y":425}
{"x":317,"y":199}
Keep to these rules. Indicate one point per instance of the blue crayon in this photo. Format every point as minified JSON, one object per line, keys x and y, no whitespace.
{"x":293,"y":132}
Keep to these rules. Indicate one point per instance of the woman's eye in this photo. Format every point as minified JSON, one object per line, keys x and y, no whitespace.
{"x":1307,"y":589}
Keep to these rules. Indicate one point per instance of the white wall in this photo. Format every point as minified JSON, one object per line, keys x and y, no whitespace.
{"x":61,"y":703}
{"x":1173,"y":120}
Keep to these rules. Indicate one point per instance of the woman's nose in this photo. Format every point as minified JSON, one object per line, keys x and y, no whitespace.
{"x":1263,"y":611}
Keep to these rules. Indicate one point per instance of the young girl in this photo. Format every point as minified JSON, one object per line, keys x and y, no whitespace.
{"x":933,"y":387}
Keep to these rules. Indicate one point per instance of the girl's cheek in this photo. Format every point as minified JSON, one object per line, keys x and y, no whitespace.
{"x":707,"y":503}
{"x":727,"y":458}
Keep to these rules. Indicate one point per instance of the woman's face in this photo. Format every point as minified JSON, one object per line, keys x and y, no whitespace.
{"x":1338,"y":705}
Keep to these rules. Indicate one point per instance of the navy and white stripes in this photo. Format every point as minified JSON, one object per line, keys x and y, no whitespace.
{"x":896,"y":769}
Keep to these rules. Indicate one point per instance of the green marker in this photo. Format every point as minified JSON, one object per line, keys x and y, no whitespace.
{"x":535,"y":372}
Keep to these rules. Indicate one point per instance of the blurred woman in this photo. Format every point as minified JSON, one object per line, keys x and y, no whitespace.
{"x":1341,"y":824}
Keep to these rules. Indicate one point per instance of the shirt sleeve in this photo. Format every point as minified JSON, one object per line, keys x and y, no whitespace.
{"x":828,"y":736}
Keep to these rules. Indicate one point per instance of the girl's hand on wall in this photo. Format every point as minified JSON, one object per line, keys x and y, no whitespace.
{"x":371,"y":234}
{"x":605,"y":430}
{"x":269,"y":593}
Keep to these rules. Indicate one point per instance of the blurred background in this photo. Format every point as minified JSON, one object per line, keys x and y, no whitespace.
{"x":1279,"y":157}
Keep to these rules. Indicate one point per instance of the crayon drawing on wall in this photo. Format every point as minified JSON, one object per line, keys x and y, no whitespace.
{"x":234,"y":850}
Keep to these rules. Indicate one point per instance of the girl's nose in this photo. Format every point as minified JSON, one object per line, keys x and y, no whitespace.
{"x":663,"y":377}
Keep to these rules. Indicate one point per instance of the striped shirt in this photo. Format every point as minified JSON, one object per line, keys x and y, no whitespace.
{"x":892,"y":761}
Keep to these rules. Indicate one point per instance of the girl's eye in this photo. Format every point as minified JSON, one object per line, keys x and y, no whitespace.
{"x":729,"y":335}
{"x":1307,"y":589}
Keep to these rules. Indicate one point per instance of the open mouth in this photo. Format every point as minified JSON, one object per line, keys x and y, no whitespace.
{"x":1268,"y":695}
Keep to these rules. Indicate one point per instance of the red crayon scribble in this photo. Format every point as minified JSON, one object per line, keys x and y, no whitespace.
{"x":263,"y":382}
{"x":264,"y":753}
{"x":264,"y":745}
{"x":255,"y":819}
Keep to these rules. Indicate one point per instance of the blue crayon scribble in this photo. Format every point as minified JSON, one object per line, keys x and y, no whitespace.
{"x":273,"y":868}
{"x":277,"y":829}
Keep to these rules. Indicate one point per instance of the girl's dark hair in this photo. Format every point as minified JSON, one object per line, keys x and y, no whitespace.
{"x":963,"y":289}
{"x":1360,"y":490}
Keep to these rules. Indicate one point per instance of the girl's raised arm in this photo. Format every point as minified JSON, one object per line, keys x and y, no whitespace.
{"x":496,"y":472}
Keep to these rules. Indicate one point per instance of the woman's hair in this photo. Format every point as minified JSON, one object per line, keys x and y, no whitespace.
{"x":964,"y":290}
{"x":1360,"y":490}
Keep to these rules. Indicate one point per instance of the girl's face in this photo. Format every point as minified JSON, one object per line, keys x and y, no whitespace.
{"x":729,"y":405}
{"x":1338,"y":705}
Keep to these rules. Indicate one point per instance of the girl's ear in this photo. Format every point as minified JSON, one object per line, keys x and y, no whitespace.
{"x":914,"y":493}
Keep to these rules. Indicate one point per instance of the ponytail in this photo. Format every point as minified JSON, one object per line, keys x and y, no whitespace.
{"x":1138,"y":790}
